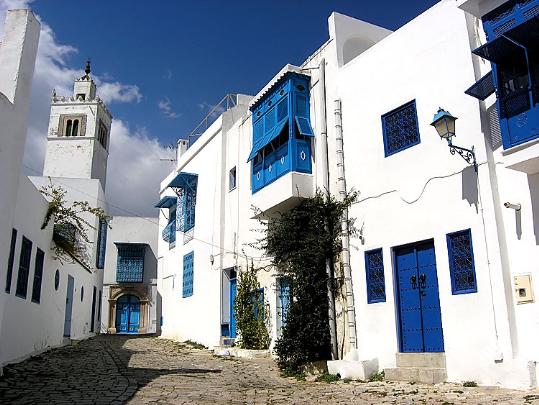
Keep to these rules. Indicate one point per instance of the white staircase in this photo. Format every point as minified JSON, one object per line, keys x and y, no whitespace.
{"x":428,"y":368}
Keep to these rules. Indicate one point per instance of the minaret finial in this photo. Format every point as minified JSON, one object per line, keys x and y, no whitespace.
{"x":88,"y":70}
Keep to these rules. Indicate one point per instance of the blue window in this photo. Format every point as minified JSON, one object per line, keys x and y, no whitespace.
{"x":24,"y":268}
{"x":38,"y":276}
{"x":461,"y":262}
{"x":282,"y":131}
{"x":130,"y":264}
{"x":101,"y":244}
{"x":284,"y":298}
{"x":374,"y":269}
{"x":185,"y":187}
{"x":512,"y":50}
{"x":10,"y":260}
{"x":188,"y":275}
{"x":257,"y":298}
{"x":232,"y":179}
{"x":400,"y":128}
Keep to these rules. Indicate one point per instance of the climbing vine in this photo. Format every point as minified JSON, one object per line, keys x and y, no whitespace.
{"x":250,"y":311}
{"x":70,"y":233}
{"x":300,"y":241}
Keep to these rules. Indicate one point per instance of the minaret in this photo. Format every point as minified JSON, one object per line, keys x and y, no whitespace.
{"x":79,"y":133}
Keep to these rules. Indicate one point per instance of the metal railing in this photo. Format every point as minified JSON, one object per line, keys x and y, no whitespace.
{"x":229,"y":101}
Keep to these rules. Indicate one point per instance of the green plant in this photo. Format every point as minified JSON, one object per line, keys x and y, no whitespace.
{"x":328,"y":378}
{"x":377,"y":376}
{"x":194,"y":345}
{"x":301,"y":241}
{"x":347,"y":380}
{"x":250,"y":311}
{"x":70,"y":233}
{"x":469,"y":384}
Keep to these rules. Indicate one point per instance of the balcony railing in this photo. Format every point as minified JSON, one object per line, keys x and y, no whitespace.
{"x":169,"y":233}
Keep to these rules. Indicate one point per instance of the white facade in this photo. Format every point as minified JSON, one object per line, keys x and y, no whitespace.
{"x":421,"y":193}
{"x":131,"y":230}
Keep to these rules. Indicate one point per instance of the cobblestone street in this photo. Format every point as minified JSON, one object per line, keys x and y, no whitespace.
{"x":140,"y":370}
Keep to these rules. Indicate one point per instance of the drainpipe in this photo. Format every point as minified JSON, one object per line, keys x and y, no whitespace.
{"x":322,"y":146}
{"x":345,"y":237}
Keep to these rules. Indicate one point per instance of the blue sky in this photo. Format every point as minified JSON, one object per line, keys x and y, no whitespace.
{"x":188,"y":54}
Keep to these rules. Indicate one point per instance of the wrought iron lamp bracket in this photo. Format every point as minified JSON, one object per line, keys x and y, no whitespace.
{"x":467,"y":154}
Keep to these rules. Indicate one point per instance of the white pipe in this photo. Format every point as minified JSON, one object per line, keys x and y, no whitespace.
{"x":345,"y":255}
{"x":322,"y":143}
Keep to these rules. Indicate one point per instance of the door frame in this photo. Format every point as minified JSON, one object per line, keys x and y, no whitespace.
{"x":396,"y":291}
{"x":118,"y":320}
{"x":70,"y":292}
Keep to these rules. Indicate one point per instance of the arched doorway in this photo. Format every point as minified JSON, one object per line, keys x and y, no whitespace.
{"x":127,"y":314}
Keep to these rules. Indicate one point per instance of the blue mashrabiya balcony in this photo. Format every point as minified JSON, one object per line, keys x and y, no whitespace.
{"x":282,"y":131}
{"x":513,"y":50}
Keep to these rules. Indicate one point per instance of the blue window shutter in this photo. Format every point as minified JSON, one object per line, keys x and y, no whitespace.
{"x":400,"y":128}
{"x":24,"y":268}
{"x":101,"y":244}
{"x":483,"y":88}
{"x":374,"y":269}
{"x":461,"y":262}
{"x":284,"y":297}
{"x":188,"y":262}
{"x":38,"y":276}
{"x":9,"y":274}
{"x":130,"y":263}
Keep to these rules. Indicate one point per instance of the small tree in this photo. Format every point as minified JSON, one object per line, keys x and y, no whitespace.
{"x":251,"y":314}
{"x":70,"y":228}
{"x":300,"y":241}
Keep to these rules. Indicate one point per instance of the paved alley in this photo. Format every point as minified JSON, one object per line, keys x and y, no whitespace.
{"x":144,"y":370}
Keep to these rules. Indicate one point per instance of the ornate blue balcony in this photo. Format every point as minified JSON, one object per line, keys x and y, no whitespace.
{"x":169,"y":233}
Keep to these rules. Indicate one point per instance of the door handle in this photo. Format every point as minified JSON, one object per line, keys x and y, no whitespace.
{"x":422,"y":281}
{"x":413,"y":281}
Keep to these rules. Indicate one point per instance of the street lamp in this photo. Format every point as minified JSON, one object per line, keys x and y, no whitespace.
{"x":444,"y":123}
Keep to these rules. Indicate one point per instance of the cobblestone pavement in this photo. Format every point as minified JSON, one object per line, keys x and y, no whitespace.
{"x":143,"y":370}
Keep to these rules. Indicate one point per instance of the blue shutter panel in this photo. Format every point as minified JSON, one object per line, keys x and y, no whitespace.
{"x":374,"y":269}
{"x":130,"y":264}
{"x":188,"y":275}
{"x":38,"y":276}
{"x":9,"y":274}
{"x":24,"y":268}
{"x":461,"y":262}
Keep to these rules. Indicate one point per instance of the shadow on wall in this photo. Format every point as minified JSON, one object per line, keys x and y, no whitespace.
{"x":533,"y":182}
{"x":158,"y":313}
{"x":470,"y":191}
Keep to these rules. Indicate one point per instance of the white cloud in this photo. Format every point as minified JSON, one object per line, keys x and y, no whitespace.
{"x":166,"y":108}
{"x":168,"y":75}
{"x":134,"y":168}
{"x":212,"y":110}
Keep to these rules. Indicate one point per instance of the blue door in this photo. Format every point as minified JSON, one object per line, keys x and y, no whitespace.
{"x":420,"y":320}
{"x":284,"y":298}
{"x":233,"y":287}
{"x":69,"y":306}
{"x":127,"y":314}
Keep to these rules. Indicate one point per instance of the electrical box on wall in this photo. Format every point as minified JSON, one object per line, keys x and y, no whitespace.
{"x":523,"y":289}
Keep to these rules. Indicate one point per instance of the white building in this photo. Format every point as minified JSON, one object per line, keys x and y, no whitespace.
{"x":46,"y":302}
{"x":443,"y":271}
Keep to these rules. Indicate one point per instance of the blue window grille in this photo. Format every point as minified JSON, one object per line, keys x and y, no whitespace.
{"x":257,"y":298}
{"x":38,"y":276}
{"x":400,"y":128}
{"x":101,"y":244}
{"x":185,"y":186}
{"x":169,"y":232}
{"x":24,"y":268}
{"x":461,"y":262}
{"x":282,"y":131}
{"x":188,"y":262}
{"x":11,"y":258}
{"x":374,"y":269}
{"x":512,"y":31}
{"x":130,"y":263}
{"x":284,"y":298}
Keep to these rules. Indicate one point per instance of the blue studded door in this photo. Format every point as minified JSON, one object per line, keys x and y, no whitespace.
{"x":233,"y":290}
{"x":420,"y":320}
{"x":127,"y":314}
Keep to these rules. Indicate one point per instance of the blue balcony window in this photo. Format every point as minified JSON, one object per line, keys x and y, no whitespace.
{"x":400,"y":128}
{"x":282,"y":132}
{"x":513,"y":33}
{"x":185,"y":187}
{"x":169,"y":232}
{"x":130,"y":263}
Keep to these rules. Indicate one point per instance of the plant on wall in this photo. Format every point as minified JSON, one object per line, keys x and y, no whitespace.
{"x":300,"y":241}
{"x":250,"y":311}
{"x":70,"y":233}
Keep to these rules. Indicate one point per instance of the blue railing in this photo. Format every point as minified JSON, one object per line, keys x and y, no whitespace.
{"x":169,"y":233}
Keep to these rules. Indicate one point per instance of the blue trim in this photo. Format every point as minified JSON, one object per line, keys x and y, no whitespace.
{"x":406,"y":127}
{"x":266,"y":139}
{"x":38,"y":276}
{"x":183,"y":180}
{"x":457,"y":262}
{"x":166,"y":202}
{"x":188,"y":276}
{"x":24,"y":268}
{"x":376,"y":288}
{"x":11,"y":259}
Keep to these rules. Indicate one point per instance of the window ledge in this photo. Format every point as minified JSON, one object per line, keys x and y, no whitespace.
{"x":523,"y":157}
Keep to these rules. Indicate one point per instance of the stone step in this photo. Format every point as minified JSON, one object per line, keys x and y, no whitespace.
{"x":426,"y":375}
{"x":429,"y":360}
